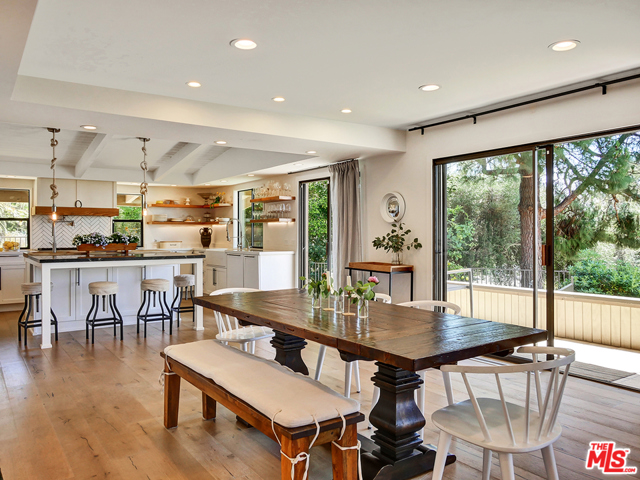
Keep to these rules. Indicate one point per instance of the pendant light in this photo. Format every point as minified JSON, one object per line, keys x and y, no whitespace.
{"x":144,"y":166}
{"x":53,"y":186}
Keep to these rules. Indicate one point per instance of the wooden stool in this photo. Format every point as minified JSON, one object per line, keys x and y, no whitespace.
{"x":104,"y":290}
{"x":155,"y":286}
{"x":31,"y":292}
{"x":184,"y":285}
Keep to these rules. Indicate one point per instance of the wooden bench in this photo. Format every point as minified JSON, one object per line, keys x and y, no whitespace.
{"x":295,"y":441}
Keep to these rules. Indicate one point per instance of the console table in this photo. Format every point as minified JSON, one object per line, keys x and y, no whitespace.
{"x":390,"y":269}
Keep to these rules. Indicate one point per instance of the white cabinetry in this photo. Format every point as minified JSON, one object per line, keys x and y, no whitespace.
{"x":11,"y":278}
{"x":261,"y":270}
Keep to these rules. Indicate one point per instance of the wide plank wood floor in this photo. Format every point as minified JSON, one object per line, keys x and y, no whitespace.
{"x":78,"y":411}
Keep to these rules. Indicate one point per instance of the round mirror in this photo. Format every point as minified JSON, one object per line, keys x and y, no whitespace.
{"x":392,"y":207}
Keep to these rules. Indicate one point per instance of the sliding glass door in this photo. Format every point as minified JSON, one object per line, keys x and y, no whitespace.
{"x":314,"y":227}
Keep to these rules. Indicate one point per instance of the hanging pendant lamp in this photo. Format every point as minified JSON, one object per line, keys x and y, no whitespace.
{"x":144,"y":166}
{"x":53,"y":186}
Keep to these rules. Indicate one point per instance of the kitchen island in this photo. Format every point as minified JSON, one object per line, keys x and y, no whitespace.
{"x":71,"y":274}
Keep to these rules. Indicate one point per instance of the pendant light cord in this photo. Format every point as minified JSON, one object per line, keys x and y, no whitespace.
{"x":54,"y":143}
{"x":144,"y":166}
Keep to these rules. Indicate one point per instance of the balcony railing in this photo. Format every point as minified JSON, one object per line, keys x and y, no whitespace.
{"x":511,"y":277}
{"x":316,"y":269}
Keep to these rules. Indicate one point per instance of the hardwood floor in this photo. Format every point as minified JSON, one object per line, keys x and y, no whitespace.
{"x":78,"y":411}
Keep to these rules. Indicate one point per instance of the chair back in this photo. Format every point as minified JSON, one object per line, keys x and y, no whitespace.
{"x":382,"y":297}
{"x":538,"y":424}
{"x":224,"y":322}
{"x":432,"y":304}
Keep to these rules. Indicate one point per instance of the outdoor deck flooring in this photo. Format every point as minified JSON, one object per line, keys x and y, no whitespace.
{"x":78,"y":411}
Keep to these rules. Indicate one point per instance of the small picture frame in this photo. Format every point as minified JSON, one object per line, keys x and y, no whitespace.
{"x":392,"y":207}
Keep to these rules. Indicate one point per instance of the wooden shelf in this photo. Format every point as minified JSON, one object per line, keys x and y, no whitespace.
{"x":215,"y":205}
{"x":272,"y":199}
{"x":274,"y":220}
{"x":186,"y":223}
{"x":81,"y":211}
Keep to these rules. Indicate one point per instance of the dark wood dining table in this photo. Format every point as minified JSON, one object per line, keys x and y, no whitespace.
{"x":401,"y":340}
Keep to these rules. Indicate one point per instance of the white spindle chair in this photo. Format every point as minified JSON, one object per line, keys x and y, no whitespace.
{"x":349,"y":369}
{"x":504,"y":427}
{"x":230,"y":331}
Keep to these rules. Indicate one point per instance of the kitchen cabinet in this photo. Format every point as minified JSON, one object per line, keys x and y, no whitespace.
{"x":11,"y":279}
{"x":261,"y":270}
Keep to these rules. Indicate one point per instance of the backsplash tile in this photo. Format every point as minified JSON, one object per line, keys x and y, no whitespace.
{"x":41,"y":230}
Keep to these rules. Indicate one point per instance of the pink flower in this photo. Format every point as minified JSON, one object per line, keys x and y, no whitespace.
{"x":373,"y":280}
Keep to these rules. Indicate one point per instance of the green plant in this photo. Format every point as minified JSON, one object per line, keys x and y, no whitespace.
{"x":362,"y":290}
{"x":100,"y":240}
{"x":593,"y":275}
{"x":395,"y":240}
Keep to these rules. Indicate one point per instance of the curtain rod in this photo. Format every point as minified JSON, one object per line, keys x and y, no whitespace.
{"x":322,"y":166}
{"x":602,"y":85}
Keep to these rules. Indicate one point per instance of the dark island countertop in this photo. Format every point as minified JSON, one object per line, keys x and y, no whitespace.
{"x":106,"y":257}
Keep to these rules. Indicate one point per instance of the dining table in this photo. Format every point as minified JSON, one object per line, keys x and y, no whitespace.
{"x":401,"y":340}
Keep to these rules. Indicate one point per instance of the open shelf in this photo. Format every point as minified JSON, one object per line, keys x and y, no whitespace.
{"x":215,"y":205}
{"x":272,"y":199}
{"x":186,"y":223}
{"x":82,"y":211}
{"x":274,"y":220}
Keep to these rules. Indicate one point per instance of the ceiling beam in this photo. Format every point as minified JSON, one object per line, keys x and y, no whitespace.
{"x":91,"y":154}
{"x":180,"y":161}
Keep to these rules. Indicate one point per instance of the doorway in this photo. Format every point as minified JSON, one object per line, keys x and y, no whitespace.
{"x":314,"y":228}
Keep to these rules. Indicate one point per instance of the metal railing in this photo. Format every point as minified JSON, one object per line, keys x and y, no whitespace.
{"x":510,"y":277}
{"x":316,"y":269}
{"x":21,"y":239}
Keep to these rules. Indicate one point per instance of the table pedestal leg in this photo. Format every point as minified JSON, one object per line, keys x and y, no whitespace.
{"x":397,"y":453}
{"x":288,"y":351}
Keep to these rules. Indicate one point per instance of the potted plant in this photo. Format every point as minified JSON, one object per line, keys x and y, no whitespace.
{"x":314,"y":287}
{"x":395,"y":241}
{"x":361,"y":293}
{"x":97,"y":241}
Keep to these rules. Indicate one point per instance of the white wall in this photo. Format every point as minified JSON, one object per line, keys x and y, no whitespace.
{"x":410,"y":173}
{"x":92,"y":194}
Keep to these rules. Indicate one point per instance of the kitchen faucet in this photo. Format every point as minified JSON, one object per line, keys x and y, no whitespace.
{"x":239,"y":237}
{"x":54,"y":247}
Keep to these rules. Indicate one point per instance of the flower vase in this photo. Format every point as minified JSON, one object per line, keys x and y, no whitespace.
{"x":363,"y":308}
{"x":315,"y":300}
{"x":339,"y":303}
{"x":329,"y":307}
{"x":396,"y":259}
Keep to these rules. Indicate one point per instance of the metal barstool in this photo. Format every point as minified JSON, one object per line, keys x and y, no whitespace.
{"x":104,"y":290}
{"x":184,"y":285}
{"x":156,"y":286}
{"x":32,"y":292}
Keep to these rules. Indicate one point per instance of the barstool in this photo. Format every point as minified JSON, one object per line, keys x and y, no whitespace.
{"x":184,"y":286}
{"x":31,"y":292}
{"x":104,"y":290}
{"x":155,"y":286}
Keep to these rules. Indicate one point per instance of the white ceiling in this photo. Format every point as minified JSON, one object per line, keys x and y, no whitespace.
{"x":122,"y":65}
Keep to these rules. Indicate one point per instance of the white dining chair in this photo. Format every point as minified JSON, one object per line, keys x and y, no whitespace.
{"x":504,"y":427}
{"x":230,"y":331}
{"x":350,"y":368}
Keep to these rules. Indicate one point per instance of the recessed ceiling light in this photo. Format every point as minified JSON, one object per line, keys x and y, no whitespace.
{"x":250,"y":175}
{"x":223,"y":181}
{"x":346,"y":110}
{"x":194,"y":84}
{"x":429,"y":87}
{"x":13,"y":176}
{"x":244,"y":44}
{"x":278,"y":99}
{"x":205,"y":184}
{"x":297,"y":164}
{"x":173,"y":185}
{"x":221,"y":142}
{"x":310,"y":152}
{"x":89,"y":127}
{"x":564,"y":45}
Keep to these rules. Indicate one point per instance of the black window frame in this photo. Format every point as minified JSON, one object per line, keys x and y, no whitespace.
{"x":114,"y":220}
{"x":25,"y":219}
{"x":251,"y":244}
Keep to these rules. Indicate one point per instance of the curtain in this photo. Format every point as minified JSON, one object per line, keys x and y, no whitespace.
{"x":346,"y":240}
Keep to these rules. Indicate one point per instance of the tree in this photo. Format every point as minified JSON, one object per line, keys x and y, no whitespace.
{"x":318,"y":217}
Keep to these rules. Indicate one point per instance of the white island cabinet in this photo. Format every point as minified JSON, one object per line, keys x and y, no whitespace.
{"x":261,"y":270}
{"x":71,"y":275}
{"x":11,"y":277}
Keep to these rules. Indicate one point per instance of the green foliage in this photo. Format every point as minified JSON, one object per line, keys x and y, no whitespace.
{"x":460,"y":233}
{"x":363,"y":290}
{"x":396,"y":239}
{"x":129,"y":213}
{"x":318,"y":229}
{"x":593,"y":275}
{"x":100,"y":240}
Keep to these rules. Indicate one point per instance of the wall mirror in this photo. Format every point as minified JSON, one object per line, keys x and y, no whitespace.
{"x":392,"y":207}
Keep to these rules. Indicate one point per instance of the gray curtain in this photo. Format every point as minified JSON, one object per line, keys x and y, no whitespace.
{"x":346,"y":240}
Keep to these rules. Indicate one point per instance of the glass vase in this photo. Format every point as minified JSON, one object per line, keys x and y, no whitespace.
{"x":315,"y":300}
{"x":339,"y":303}
{"x":396,"y":259}
{"x":363,"y":308}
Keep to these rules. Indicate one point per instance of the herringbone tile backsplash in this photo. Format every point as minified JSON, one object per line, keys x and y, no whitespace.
{"x":41,"y":230}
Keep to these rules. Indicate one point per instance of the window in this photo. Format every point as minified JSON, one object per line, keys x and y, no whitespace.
{"x":14,"y":216}
{"x":129,"y":221}
{"x":252,"y":233}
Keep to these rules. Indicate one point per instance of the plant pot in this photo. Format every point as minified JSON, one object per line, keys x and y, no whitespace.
{"x":363,"y":308}
{"x":315,"y":300}
{"x":396,"y":259}
{"x":112,"y":247}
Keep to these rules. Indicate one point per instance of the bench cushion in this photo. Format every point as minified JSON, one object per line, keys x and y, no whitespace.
{"x":264,"y":384}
